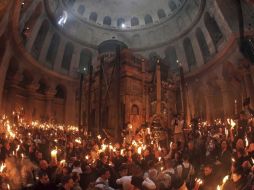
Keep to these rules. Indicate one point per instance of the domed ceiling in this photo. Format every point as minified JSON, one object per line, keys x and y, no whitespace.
{"x":141,"y":24}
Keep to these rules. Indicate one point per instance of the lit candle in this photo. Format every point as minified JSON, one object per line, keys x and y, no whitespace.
{"x":2,"y":167}
{"x":236,"y":111}
{"x":54,"y":154}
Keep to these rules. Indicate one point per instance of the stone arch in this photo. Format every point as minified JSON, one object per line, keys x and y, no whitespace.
{"x":81,"y":9}
{"x":202,"y":44}
{"x":213,"y":28}
{"x":189,"y":53}
{"x":134,"y":21}
{"x":148,"y":19}
{"x":93,"y":16}
{"x":107,"y":20}
{"x":67,"y":57}
{"x":161,"y":13}
{"x":40,"y":39}
{"x":53,"y":48}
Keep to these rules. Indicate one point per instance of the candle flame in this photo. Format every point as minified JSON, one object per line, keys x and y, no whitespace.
{"x":2,"y":167}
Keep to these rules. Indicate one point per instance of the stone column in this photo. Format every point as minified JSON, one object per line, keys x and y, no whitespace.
{"x":3,"y":70}
{"x":227,"y":97}
{"x":190,"y":104}
{"x":208,"y":95}
{"x":70,"y":105}
{"x":209,"y":41}
{"x":221,"y":21}
{"x":31,"y":89}
{"x":197,"y":51}
{"x":59,"y":55}
{"x":158,"y":88}
{"x":27,"y":14}
{"x":181,"y":56}
{"x":34,"y":34}
{"x":74,"y":67}
{"x":50,"y":94}
{"x":248,"y":82}
{"x":45,"y":47}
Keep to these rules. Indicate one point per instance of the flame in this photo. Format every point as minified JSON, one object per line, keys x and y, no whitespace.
{"x":246,"y":141}
{"x":99,"y":137}
{"x":139,"y":150}
{"x":225,"y":179}
{"x":62,"y":162}
{"x":218,"y":187}
{"x":2,"y":167}
{"x":199,"y":181}
{"x":78,"y":140}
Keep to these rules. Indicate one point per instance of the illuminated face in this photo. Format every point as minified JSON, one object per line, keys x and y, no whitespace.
{"x":44,"y":179}
{"x":235,"y":177}
{"x":207,"y":171}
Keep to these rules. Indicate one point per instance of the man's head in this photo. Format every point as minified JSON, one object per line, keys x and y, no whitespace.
{"x":43,"y":177}
{"x":208,"y":169}
{"x":123,"y":170}
{"x":105,"y":174}
{"x":237,"y":174}
{"x":67,"y":182}
{"x":43,"y":164}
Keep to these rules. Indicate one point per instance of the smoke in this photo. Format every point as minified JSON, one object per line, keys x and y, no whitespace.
{"x":19,"y":172}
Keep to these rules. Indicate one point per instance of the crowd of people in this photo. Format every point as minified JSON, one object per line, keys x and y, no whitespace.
{"x":47,"y":157}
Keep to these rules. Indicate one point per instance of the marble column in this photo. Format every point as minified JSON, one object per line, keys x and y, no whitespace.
{"x":31,"y":39}
{"x":50,"y":94}
{"x":190,"y":103}
{"x":59,"y":55}
{"x":4,"y":65}
{"x":227,"y":97}
{"x":70,"y":105}
{"x":209,"y":41}
{"x":45,"y":47}
{"x":208,"y":95}
{"x":197,"y":51}
{"x":181,"y":56}
{"x":248,"y":82}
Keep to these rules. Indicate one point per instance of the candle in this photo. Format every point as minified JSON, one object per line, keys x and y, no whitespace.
{"x":2,"y":167}
{"x":54,"y":154}
{"x":236,"y":111}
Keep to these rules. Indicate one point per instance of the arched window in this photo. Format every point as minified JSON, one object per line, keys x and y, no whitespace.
{"x":190,"y":56}
{"x":202,"y":44}
{"x":81,"y":9}
{"x":148,"y":19}
{"x":172,"y":5}
{"x":107,"y":20}
{"x":40,"y":39}
{"x":172,"y":58}
{"x":53,"y":47}
{"x":161,"y":13}
{"x":120,"y":22}
{"x":134,"y":21}
{"x":85,"y":60}
{"x":66,"y":62}
{"x":213,"y":28}
{"x":43,"y":87}
{"x":93,"y":16}
{"x":134,"y":110}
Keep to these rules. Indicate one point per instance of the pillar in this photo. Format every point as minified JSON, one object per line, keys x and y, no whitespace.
{"x":227,"y":97}
{"x":4,"y":65}
{"x":70,"y":105}
{"x":197,"y":51}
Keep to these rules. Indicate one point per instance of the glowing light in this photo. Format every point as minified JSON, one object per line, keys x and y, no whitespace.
{"x":225,"y":179}
{"x":199,"y":181}
{"x":63,"y":18}
{"x":123,"y":26}
{"x":2,"y":167}
{"x":139,"y":150}
{"x":54,"y":154}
